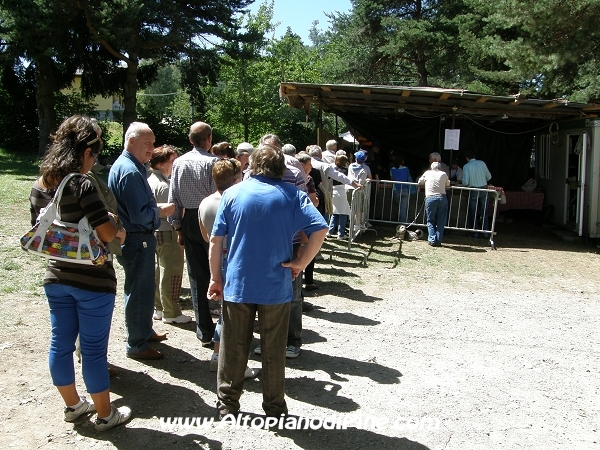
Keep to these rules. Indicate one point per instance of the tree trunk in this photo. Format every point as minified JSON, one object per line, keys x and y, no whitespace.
{"x":44,"y":96}
{"x":129,"y":93}
{"x":421,"y":69}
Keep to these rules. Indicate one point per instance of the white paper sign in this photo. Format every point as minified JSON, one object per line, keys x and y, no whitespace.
{"x":451,"y":139}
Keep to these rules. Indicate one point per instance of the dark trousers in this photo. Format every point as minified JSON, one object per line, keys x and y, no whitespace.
{"x":309,"y":273}
{"x":236,"y":336}
{"x":295,"y":328}
{"x":196,"y":254}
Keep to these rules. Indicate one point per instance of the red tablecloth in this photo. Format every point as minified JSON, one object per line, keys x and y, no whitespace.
{"x":522,"y":200}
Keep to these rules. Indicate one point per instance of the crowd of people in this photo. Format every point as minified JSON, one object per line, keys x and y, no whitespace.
{"x":241,"y":220}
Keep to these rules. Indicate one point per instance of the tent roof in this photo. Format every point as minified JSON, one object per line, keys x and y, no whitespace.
{"x":428,"y":102}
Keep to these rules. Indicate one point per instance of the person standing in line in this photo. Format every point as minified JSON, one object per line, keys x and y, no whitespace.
{"x":436,"y":205}
{"x":330,"y":150}
{"x":476,"y":175}
{"x":242,"y":154}
{"x":81,"y":299}
{"x":401,"y":193}
{"x":169,"y":254}
{"x":192,"y":182}
{"x":140,"y":215}
{"x":436,"y":157}
{"x":341,"y":208}
{"x":259,"y":217}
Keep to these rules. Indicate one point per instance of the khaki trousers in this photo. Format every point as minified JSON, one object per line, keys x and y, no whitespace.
{"x":168,"y":274}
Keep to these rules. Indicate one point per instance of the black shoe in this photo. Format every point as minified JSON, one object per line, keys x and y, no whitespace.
{"x":307,"y":306}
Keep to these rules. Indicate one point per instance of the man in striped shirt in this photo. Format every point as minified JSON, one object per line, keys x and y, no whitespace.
{"x":192,"y":182}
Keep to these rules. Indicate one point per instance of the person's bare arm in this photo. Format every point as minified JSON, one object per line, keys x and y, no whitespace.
{"x":215,"y":253}
{"x":205,"y":234}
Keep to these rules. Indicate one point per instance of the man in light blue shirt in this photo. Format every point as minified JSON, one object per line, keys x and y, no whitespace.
{"x":476,"y":175}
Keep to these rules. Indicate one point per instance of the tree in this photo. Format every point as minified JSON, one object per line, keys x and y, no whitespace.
{"x":159,"y":31}
{"x":50,"y":35}
{"x":550,"y":46}
{"x":386,"y":42}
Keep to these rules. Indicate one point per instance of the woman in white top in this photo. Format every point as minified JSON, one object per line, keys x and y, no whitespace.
{"x":436,"y":203}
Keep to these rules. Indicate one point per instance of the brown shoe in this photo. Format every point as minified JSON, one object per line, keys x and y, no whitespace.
{"x":147,"y":354}
{"x":158,"y":337}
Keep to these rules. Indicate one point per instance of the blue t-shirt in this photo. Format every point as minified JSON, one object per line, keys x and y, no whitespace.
{"x":259,"y":216}
{"x":401,"y":174}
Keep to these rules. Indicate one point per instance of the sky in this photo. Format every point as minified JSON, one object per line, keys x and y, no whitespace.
{"x":300,"y":14}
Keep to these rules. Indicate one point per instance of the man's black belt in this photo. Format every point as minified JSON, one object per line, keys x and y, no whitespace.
{"x":141,"y":232}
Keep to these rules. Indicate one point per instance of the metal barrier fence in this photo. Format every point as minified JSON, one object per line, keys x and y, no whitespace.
{"x":359,"y":220}
{"x":403,"y":203}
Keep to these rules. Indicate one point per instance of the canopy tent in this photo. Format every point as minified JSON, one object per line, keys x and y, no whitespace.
{"x":412,"y":121}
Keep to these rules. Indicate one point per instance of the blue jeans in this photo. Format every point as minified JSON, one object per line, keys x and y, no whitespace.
{"x":338,"y":224}
{"x":138,"y":263}
{"x":478,"y":205}
{"x":401,"y":197}
{"x":436,"y":208}
{"x":76,"y":311}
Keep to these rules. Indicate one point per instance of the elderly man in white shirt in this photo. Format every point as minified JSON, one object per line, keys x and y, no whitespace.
{"x":327,"y":173}
{"x":436,"y":204}
{"x":329,"y":154}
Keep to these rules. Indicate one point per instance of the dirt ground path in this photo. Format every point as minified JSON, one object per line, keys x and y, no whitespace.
{"x":458,"y":347}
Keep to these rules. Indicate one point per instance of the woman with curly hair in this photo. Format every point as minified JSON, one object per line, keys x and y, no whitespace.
{"x":81,"y":297}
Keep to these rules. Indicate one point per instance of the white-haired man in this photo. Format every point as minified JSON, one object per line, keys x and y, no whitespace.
{"x":436,"y":157}
{"x":329,"y":154}
{"x":140,"y":216}
{"x":327,"y":173}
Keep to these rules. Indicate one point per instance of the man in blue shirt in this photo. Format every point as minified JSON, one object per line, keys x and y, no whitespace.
{"x":259,"y":217}
{"x":140,"y":215}
{"x":476,"y":175}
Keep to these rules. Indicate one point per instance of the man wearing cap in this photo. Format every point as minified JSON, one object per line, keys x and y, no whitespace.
{"x":358,"y":170}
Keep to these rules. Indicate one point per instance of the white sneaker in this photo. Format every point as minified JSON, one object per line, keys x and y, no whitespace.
{"x":119,"y":416}
{"x":157,"y":315}
{"x":214,"y":362}
{"x":251,"y":373}
{"x":179,"y":319}
{"x":71,"y":415}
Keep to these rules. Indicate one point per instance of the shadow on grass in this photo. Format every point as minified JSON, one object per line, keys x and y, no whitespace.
{"x":22,"y":165}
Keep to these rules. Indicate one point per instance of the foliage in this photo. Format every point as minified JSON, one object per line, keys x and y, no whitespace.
{"x":160,"y":31}
{"x":18,"y":122}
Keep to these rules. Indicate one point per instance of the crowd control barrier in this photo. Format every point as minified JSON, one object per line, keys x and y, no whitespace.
{"x":403,"y":203}
{"x":359,"y":220}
